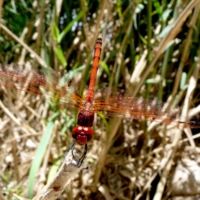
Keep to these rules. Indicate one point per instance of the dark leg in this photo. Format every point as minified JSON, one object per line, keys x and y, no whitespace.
{"x":79,"y":162}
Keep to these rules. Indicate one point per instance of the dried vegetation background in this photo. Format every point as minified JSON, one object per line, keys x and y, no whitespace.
{"x":150,"y":48}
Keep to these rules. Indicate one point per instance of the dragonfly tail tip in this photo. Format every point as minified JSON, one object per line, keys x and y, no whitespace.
{"x":99,"y":36}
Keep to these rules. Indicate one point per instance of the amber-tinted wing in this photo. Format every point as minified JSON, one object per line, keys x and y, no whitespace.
{"x":47,"y":84}
{"x":114,"y":103}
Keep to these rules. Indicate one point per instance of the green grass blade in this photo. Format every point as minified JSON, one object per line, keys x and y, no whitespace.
{"x":69,"y":26}
{"x":55,"y":32}
{"x":53,"y":170}
{"x":39,"y":156}
{"x":105,"y":67}
{"x":61,"y":56}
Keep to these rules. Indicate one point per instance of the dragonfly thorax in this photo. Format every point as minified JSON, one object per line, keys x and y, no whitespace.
{"x":85,"y":118}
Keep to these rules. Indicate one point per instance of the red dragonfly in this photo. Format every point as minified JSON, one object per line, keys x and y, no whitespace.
{"x":112,"y":104}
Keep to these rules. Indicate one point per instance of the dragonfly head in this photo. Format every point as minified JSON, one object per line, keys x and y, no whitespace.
{"x":82,"y":134}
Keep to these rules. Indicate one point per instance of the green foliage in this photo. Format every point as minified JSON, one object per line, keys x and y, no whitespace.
{"x":39,"y":155}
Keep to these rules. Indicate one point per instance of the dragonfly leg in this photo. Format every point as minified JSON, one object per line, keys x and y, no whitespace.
{"x":79,"y":162}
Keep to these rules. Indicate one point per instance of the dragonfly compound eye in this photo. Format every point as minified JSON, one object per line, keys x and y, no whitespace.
{"x":82,"y":134}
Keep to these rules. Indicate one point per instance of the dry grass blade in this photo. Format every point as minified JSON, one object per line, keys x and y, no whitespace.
{"x":169,"y":161}
{"x":39,"y":59}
